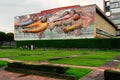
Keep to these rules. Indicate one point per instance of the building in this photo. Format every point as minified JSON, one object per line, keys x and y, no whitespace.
{"x":91,"y":23}
{"x":51,"y":28}
{"x":113,"y":12}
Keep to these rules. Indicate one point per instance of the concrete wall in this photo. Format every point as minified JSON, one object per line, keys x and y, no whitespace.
{"x":102,"y":25}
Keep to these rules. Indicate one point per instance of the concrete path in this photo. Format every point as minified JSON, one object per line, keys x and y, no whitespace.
{"x":94,"y":75}
{"x":99,"y":74}
{"x":4,"y":75}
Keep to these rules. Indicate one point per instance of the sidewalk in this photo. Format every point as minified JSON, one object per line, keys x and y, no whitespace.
{"x":4,"y":75}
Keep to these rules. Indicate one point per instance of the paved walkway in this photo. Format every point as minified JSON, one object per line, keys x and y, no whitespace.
{"x":4,"y":75}
{"x":94,"y":75}
{"x":99,"y":74}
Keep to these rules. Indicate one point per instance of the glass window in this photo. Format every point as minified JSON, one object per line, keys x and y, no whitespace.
{"x":114,"y":5}
{"x":114,"y":0}
{"x":115,"y":16}
{"x":119,"y":4}
{"x":118,"y":32}
{"x":116,"y":10}
{"x":108,"y":3}
{"x":101,"y":32}
{"x":118,"y":27}
{"x":108,"y":13}
{"x":107,"y":8}
{"x":116,"y":21}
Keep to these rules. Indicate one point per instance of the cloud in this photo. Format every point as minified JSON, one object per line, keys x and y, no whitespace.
{"x":11,"y":8}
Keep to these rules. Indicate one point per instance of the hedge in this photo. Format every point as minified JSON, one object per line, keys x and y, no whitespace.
{"x":45,"y":68}
{"x":42,"y":70}
{"x":113,"y":43}
{"x":41,"y":73}
{"x":111,"y":75}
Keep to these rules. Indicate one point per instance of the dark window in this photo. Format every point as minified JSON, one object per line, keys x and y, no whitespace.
{"x":107,"y":8}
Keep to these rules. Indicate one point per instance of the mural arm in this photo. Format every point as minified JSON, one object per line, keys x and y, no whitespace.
{"x":39,"y":29}
{"x":33,"y":24}
{"x":74,"y":26}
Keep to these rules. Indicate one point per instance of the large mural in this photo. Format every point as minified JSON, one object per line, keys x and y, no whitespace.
{"x":66,"y":23}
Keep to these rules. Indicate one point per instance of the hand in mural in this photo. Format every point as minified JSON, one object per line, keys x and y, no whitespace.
{"x":76,"y":25}
{"x":58,"y":22}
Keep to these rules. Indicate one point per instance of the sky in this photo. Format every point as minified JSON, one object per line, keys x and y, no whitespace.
{"x":11,"y":8}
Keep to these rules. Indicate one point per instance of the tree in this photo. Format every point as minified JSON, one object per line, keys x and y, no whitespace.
{"x":10,"y":37}
{"x":2,"y":37}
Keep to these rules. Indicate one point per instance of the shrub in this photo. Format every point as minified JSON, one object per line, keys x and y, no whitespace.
{"x":45,"y":68}
{"x":111,"y":75}
{"x":41,"y":73}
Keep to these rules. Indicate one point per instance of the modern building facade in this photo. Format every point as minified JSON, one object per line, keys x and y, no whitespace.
{"x":66,"y":27}
{"x":71,"y":22}
{"x":113,"y":12}
{"x":104,"y":26}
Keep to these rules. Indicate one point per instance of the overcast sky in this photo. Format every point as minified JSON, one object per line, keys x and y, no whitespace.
{"x":11,"y":8}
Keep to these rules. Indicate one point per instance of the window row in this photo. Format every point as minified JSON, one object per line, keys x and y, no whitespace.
{"x":114,"y":0}
{"x":115,"y":5}
{"x":118,"y":32}
{"x":116,"y":21}
{"x":115,"y":16}
{"x":118,"y":27}
{"x":116,"y":10}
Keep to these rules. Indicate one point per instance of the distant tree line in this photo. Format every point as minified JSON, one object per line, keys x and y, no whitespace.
{"x":6,"y":37}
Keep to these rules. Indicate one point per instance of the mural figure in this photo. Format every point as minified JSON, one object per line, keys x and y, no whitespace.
{"x":38,"y":26}
{"x":73,"y":20}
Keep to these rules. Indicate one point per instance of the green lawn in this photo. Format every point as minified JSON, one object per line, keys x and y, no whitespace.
{"x":36,"y":55}
{"x":81,"y":62}
{"x":98,"y":58}
{"x":3,"y":63}
{"x":78,"y":72}
{"x":118,"y":67}
{"x":83,"y":58}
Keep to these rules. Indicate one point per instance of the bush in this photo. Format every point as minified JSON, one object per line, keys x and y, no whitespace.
{"x":45,"y":68}
{"x":41,"y":73}
{"x":111,"y":75}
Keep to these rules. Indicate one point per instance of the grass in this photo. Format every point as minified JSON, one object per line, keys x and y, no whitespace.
{"x":81,"y":62}
{"x":41,"y":54}
{"x":84,"y":58}
{"x":118,"y":67}
{"x":98,"y":58}
{"x":3,"y":63}
{"x":77,"y":72}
